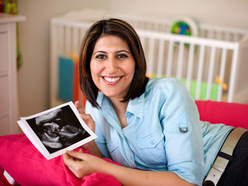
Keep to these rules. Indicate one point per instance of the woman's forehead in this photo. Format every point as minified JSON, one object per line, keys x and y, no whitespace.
{"x":110,"y":42}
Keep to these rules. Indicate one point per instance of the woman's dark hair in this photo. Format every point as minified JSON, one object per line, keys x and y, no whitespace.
{"x":127,"y":33}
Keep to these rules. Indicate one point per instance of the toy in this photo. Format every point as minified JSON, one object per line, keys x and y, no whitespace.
{"x":10,"y":7}
{"x":184,"y":26}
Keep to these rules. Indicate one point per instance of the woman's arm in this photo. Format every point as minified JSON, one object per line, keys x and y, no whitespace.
{"x":82,"y":164}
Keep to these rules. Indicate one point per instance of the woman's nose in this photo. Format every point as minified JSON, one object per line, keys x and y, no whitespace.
{"x":111,"y":65}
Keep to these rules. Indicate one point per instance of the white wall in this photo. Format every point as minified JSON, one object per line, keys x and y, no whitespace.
{"x":33,"y":76}
{"x":231,"y":13}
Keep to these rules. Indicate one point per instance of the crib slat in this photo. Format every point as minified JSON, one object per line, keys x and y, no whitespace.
{"x":82,"y":33}
{"x":190,"y":66}
{"x":68,"y":49}
{"x":150,"y":56}
{"x":227,"y":36}
{"x":199,"y":73}
{"x":75,"y":40}
{"x":210,"y":34}
{"x":210,"y":73}
{"x":169,"y":59}
{"x":160,"y":58}
{"x":142,"y":40}
{"x":233,"y":73}
{"x":222,"y":72}
{"x":219,"y":35}
{"x":180,"y":60}
{"x":235,"y":37}
{"x":54,"y":64}
{"x":61,"y":40}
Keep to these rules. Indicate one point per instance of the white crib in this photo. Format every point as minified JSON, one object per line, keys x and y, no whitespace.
{"x":217,"y":53}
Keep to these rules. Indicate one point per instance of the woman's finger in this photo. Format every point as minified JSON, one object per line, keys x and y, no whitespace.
{"x":74,"y":165}
{"x":72,"y":159}
{"x":79,"y":107}
{"x":86,"y":117}
{"x":76,"y":155}
{"x":89,"y":121}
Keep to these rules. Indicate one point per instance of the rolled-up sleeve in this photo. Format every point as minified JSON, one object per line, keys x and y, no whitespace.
{"x":183,"y":136}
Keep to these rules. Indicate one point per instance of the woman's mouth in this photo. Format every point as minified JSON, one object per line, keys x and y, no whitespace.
{"x":111,"y":80}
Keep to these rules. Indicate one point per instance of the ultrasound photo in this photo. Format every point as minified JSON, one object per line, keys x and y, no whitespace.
{"x":57,"y":128}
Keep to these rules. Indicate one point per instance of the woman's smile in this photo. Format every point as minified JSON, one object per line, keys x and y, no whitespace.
{"x":111,"y":80}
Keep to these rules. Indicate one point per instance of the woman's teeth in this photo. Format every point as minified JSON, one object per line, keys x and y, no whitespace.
{"x":111,"y":79}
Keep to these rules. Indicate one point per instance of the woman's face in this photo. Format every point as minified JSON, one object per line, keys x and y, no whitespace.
{"x":112,"y":66}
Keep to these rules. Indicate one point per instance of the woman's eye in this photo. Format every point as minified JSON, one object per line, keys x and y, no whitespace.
{"x":100,"y":56}
{"x":122,"y":56}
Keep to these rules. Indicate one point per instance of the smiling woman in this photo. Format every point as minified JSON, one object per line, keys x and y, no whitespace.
{"x":150,"y":126}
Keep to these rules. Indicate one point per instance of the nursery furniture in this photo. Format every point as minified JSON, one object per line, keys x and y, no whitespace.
{"x":8,"y":72}
{"x":28,"y":167}
{"x":212,"y":62}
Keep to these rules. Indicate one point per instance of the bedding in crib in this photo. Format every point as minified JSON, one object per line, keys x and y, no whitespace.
{"x":193,"y":86}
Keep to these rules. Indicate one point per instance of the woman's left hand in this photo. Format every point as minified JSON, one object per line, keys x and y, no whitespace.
{"x":86,"y":117}
{"x":82,"y":164}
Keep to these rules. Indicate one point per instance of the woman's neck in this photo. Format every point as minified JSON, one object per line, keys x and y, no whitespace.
{"x":120,"y":109}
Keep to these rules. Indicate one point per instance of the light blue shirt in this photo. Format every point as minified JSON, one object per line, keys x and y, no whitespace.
{"x":164,"y":132}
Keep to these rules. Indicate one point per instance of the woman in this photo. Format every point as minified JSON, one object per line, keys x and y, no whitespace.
{"x":150,"y":126}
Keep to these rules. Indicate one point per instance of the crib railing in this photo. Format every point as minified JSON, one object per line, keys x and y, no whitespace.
{"x":180,"y":56}
{"x":195,"y":60}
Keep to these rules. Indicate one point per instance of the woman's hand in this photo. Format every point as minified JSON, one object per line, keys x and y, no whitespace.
{"x":90,"y":146}
{"x":82,"y":164}
{"x":86,"y":117}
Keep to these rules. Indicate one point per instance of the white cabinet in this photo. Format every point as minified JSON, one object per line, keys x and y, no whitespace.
{"x":8,"y":69}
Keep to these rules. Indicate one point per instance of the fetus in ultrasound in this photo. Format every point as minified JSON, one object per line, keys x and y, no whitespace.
{"x":58,"y":129}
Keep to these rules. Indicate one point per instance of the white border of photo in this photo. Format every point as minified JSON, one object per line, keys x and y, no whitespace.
{"x":40,"y":146}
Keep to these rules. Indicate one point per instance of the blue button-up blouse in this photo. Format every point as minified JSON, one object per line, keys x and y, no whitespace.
{"x":164,"y":132}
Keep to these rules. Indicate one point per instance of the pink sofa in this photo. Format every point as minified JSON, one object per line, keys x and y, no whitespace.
{"x":28,"y":167}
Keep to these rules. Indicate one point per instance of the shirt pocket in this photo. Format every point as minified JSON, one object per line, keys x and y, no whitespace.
{"x":151,"y":149}
{"x":116,"y":154}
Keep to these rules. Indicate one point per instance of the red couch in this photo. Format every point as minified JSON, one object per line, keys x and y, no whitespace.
{"x":233,"y":114}
{"x":27,"y":166}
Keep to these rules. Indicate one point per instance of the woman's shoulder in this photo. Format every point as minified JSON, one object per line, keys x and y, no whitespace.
{"x":166,"y":84}
{"x":164,"y":89}
{"x":164,"y":81}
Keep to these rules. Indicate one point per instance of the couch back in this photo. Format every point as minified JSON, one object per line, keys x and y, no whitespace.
{"x":234,"y":114}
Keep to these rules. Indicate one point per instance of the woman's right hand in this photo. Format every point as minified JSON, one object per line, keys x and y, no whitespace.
{"x":82,"y":164}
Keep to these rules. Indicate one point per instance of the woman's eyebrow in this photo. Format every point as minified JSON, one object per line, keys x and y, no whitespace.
{"x":119,"y":51}
{"x":123,"y":51}
{"x":100,"y":51}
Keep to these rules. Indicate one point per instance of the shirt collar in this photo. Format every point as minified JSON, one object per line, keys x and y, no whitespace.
{"x":135,"y":106}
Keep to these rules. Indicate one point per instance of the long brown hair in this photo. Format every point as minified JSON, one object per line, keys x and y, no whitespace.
{"x":126,"y":32}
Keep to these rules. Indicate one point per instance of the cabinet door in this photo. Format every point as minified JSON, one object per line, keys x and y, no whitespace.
{"x":4,"y":97}
{"x":4,"y":83}
{"x":3,"y":53}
